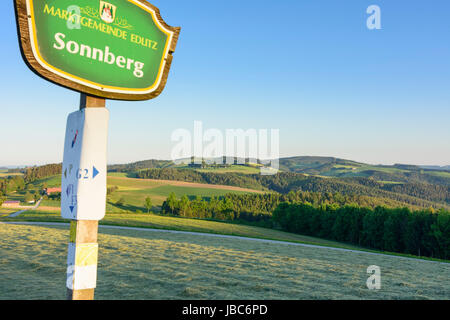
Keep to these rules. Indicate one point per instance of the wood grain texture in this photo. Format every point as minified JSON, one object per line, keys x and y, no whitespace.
{"x":87,"y":101}
{"x":85,"y":231}
{"x":29,"y":58}
{"x":87,"y":294}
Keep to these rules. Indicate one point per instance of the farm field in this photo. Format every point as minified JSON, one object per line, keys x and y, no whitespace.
{"x":234,"y":168}
{"x":4,"y":174}
{"x":6,"y":211}
{"x":149,"y":265}
{"x":444,"y":174}
{"x":134,"y":191}
{"x":358,"y":170}
{"x":51,"y":182}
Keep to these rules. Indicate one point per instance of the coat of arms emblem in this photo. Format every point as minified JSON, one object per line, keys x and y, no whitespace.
{"x":107,"y":12}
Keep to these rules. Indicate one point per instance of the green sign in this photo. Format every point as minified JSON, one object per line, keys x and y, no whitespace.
{"x":119,"y":49}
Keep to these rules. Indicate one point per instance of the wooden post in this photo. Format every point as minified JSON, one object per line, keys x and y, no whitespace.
{"x":83,"y":233}
{"x":87,"y":101}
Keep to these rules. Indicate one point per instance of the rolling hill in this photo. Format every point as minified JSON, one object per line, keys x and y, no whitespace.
{"x":316,"y":166}
{"x":406,"y":185}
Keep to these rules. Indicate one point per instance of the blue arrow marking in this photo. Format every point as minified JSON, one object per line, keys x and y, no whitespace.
{"x":71,"y":208}
{"x":95,"y":172}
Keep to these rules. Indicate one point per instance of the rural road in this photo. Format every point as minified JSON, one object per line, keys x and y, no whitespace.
{"x":15,"y":214}
{"x":227,"y":237}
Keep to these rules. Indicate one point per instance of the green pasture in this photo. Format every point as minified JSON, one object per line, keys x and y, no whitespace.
{"x":51,"y":182}
{"x":50,"y":203}
{"x":442,"y":174}
{"x":7,"y":211}
{"x":5,"y":173}
{"x":233,"y":169}
{"x":156,"y":221}
{"x":151,"y":265}
{"x":134,"y":192}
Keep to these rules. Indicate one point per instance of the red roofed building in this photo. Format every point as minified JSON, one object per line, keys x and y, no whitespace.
{"x":49,"y":191}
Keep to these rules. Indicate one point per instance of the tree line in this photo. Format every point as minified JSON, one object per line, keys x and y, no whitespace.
{"x":35,"y":173}
{"x":189,"y":175}
{"x":329,"y":216}
{"x":422,"y":233}
{"x":259,"y":207}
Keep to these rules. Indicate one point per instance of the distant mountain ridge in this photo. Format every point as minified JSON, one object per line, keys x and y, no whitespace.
{"x":444,"y":168}
{"x":312,"y":165}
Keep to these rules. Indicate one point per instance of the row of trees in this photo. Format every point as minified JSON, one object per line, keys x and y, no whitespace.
{"x":189,"y":175}
{"x":423,"y":233}
{"x":259,"y":207}
{"x":36,"y":173}
{"x":214,"y":208}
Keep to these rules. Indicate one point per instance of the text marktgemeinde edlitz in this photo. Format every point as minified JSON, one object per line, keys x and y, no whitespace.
{"x":87,"y":22}
{"x":105,"y":55}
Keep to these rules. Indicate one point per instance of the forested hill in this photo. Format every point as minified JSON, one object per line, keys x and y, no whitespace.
{"x":146,"y":164}
{"x":328,"y":167}
{"x":410,"y":194}
{"x":334,"y":167}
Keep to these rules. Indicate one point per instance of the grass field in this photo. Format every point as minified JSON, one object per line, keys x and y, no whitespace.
{"x":358,"y":170}
{"x":134,"y":191}
{"x":156,"y":221}
{"x":183,"y":224}
{"x":148,"y":265}
{"x":442,"y":174}
{"x":52,"y":182}
{"x":6,"y":211}
{"x":233,"y":168}
{"x":6,"y":174}
{"x":50,"y":203}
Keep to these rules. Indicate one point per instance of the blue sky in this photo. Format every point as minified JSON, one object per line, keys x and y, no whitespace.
{"x":309,"y":68}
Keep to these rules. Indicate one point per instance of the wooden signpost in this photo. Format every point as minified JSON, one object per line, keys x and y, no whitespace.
{"x":114,"y":49}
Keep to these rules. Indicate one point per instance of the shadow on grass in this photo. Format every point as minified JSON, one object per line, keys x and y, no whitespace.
{"x":127,"y":207}
{"x":132,"y":208}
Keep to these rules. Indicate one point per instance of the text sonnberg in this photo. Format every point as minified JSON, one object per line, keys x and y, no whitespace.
{"x":97,"y":54}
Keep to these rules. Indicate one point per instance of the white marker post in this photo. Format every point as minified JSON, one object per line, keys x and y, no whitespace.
{"x":83,"y":192}
{"x":45,"y":41}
